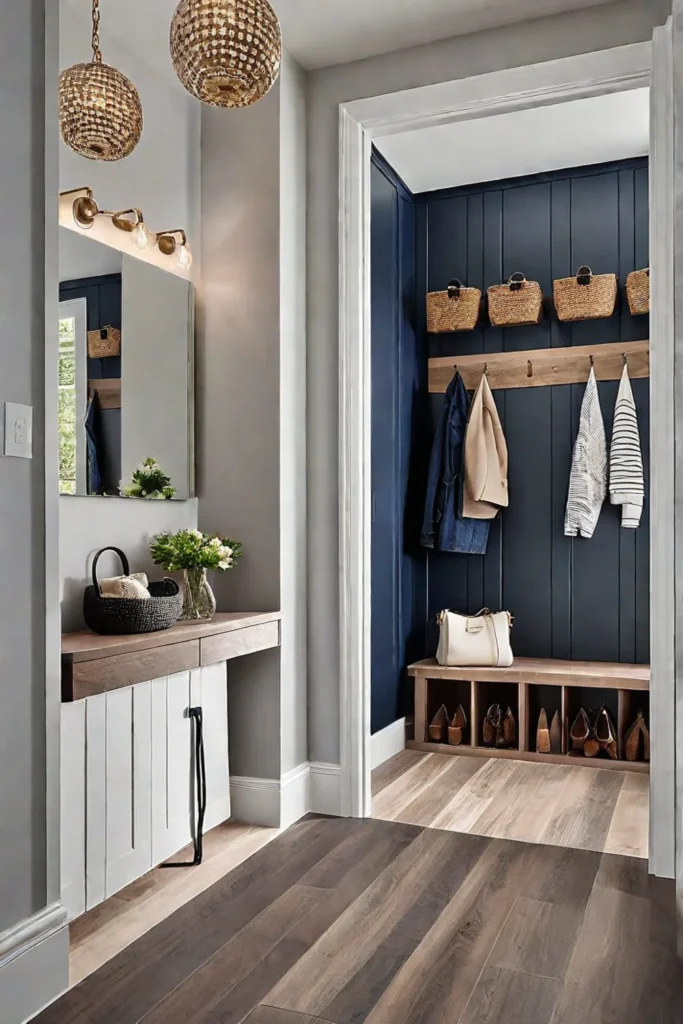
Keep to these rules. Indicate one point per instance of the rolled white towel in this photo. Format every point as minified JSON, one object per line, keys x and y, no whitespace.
{"x":134,"y":586}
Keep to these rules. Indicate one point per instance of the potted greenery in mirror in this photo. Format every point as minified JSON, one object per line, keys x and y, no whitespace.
{"x":193,"y":553}
{"x":149,"y":481}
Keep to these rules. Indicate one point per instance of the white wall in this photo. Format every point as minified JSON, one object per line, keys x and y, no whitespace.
{"x":161,"y":177}
{"x":531,"y":42}
{"x":251,"y":402}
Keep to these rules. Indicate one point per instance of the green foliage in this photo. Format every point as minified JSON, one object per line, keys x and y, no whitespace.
{"x":149,"y":481}
{"x":192,"y":549}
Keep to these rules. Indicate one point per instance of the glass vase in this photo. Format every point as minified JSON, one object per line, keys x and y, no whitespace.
{"x":198,"y":597}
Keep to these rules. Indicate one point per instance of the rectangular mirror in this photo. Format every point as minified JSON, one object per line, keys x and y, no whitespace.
{"x":126,"y":376}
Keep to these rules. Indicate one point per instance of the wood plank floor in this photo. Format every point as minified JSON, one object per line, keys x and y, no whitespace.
{"x":344,"y":920}
{"x":103,"y":932}
{"x":582,"y":808}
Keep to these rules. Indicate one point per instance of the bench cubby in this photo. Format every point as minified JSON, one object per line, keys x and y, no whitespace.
{"x":527,"y":686}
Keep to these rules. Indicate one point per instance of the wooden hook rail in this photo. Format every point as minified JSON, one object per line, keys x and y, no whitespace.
{"x":542,"y":367}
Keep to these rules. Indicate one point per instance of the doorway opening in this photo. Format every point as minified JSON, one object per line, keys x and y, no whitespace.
{"x":542,"y":174}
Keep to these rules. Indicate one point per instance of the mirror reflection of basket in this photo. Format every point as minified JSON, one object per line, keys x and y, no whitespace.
{"x":587,"y":296}
{"x":638,"y":292}
{"x":456,"y":309}
{"x":121,"y":616}
{"x":515,"y":303}
{"x":104,"y":343}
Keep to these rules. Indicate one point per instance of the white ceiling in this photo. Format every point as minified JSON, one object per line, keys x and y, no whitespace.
{"x":323,"y":32}
{"x":581,"y":132}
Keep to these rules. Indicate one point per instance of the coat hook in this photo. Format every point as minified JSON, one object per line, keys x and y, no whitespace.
{"x":592,"y":361}
{"x":529,"y":368}
{"x":625,"y":358}
{"x":485,"y":369}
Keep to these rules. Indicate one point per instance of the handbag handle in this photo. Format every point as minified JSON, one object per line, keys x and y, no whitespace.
{"x":454,"y":288}
{"x":584,"y":275}
{"x":516,"y":281}
{"x":122,"y":556}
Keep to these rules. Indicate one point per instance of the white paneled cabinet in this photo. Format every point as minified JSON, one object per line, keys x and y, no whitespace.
{"x":128,"y":777}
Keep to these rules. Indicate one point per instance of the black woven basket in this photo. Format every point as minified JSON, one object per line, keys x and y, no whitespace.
{"x":116,"y":616}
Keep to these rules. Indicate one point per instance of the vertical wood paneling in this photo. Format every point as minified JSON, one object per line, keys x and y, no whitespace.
{"x":96,"y":799}
{"x":128,"y":786}
{"x":72,"y":824}
{"x":571,"y":598}
{"x":214,"y":701}
{"x":171,"y":765}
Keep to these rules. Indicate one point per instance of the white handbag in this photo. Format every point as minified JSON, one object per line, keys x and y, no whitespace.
{"x":480,"y":640}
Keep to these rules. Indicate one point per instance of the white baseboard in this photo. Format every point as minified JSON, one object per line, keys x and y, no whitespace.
{"x":278,"y":803}
{"x":295,"y":795}
{"x":255,"y":801}
{"x":34,"y":964}
{"x":325,"y":788}
{"x":387,"y":742}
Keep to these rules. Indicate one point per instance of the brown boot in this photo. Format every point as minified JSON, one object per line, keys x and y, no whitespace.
{"x":556,"y":734}
{"x":456,"y":729}
{"x":605,"y":734}
{"x":438,"y":727}
{"x":509,"y":730}
{"x":492,"y":728}
{"x":543,"y":744}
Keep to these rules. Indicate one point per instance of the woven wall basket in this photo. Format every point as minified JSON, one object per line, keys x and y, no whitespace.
{"x":638,"y":292}
{"x":517,"y":302}
{"x":104,"y":343}
{"x":586,"y":296}
{"x":456,"y":309}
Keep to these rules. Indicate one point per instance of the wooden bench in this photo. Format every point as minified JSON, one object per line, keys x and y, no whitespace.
{"x":477,"y":688}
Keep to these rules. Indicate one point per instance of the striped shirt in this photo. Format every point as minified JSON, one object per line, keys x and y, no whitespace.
{"x":588,"y":479}
{"x":626,"y":481}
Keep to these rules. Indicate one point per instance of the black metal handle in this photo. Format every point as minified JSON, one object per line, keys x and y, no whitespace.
{"x":454,"y":288}
{"x":197,"y":716}
{"x":122,"y":556}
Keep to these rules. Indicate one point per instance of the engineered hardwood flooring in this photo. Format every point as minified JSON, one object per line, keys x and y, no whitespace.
{"x":339,"y":921}
{"x":558,"y":805}
{"x":103,"y":932}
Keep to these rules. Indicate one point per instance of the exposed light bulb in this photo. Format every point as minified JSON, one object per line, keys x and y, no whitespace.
{"x":184,"y":257}
{"x":141,"y":235}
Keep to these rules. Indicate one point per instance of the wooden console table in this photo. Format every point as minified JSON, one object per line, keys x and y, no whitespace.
{"x":93,"y":664}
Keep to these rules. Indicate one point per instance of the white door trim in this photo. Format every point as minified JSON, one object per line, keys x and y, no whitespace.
{"x":591,"y":74}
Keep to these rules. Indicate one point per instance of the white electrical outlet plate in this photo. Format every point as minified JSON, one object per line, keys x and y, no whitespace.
{"x":19,"y":430}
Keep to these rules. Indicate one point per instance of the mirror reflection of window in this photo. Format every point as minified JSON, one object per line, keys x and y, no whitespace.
{"x":72,"y":396}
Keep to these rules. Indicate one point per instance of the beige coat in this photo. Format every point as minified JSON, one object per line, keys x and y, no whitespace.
{"x":486,"y":458}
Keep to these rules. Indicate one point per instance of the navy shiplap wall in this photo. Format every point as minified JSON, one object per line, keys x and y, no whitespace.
{"x":570,"y":598}
{"x":399,"y":416}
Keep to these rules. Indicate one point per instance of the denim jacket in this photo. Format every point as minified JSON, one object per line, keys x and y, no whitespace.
{"x":444,"y":527}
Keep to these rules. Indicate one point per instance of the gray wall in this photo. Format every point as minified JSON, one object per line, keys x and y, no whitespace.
{"x":251,"y":448}
{"x":537,"y":41}
{"x":29,"y":638}
{"x":23,"y":886}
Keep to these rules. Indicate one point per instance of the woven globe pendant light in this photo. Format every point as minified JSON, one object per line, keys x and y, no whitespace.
{"x":226,"y":52}
{"x":100,"y":113}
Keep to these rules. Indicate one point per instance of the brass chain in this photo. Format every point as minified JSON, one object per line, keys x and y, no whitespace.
{"x":97,"y":53}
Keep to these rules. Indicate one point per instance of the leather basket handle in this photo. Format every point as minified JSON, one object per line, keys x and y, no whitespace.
{"x":584,"y":275}
{"x":454,"y":288}
{"x":516,"y":282}
{"x":122,"y":556}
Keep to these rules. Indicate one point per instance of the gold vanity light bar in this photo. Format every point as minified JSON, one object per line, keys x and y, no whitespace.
{"x":170,"y":243}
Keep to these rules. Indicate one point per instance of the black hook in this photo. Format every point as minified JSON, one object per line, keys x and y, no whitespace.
{"x":529,"y":368}
{"x":625,"y":358}
{"x":592,"y":361}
